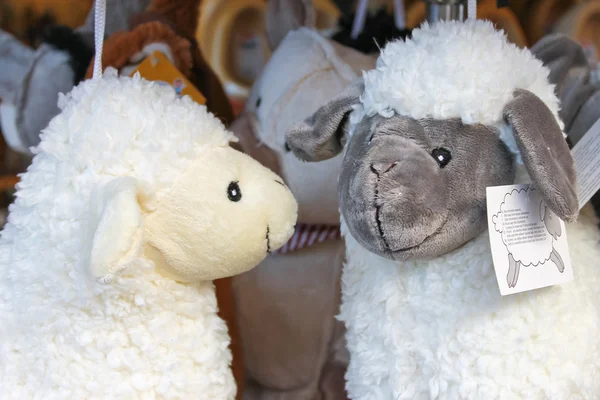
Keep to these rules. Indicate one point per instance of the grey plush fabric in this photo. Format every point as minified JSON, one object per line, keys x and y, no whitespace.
{"x":545,"y":153}
{"x":416,"y":188}
{"x":400,"y":202}
{"x":29,"y":87}
{"x":323,"y":135}
{"x":15,"y":60}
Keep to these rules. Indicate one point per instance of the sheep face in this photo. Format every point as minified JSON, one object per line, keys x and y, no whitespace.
{"x":416,"y":188}
{"x":220,"y":219}
{"x":419,"y":187}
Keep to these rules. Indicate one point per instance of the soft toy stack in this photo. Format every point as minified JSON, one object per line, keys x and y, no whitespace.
{"x":444,"y":115}
{"x":294,"y":347}
{"x":576,"y":87}
{"x":30,"y":80}
{"x":134,"y":202}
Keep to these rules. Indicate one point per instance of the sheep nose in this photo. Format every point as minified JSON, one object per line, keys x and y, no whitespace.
{"x":382,"y":167}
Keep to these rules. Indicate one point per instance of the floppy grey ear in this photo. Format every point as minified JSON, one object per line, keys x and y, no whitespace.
{"x":544,"y":152}
{"x":284,"y":16}
{"x":322,"y":136}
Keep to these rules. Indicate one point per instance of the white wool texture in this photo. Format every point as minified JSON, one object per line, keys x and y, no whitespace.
{"x":64,"y":336}
{"x":424,"y":330}
{"x":522,"y":251}
{"x":453,"y":69}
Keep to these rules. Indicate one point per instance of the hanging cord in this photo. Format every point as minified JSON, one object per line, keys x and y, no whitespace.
{"x":472,"y":9}
{"x":99,"y":21}
{"x":399,"y":16}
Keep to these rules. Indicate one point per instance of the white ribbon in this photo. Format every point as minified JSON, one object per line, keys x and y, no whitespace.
{"x":472,"y":9}
{"x":99,"y":21}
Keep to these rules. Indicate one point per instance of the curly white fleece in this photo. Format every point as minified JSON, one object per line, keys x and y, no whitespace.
{"x":63,"y":336}
{"x":440,"y":329}
{"x":453,"y":69}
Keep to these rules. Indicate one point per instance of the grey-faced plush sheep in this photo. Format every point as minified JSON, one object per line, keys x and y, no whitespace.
{"x":443,"y":116}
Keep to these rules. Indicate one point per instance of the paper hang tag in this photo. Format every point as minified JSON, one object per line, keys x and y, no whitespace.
{"x":586,"y":155}
{"x":157,"y":67}
{"x":528,"y":241}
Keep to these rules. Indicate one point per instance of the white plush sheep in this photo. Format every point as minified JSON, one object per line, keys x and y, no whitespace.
{"x":443,"y":116}
{"x":133,"y":203}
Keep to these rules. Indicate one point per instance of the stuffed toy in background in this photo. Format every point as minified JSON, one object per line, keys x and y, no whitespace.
{"x":31,"y":79}
{"x":169,"y":27}
{"x":293,"y":345}
{"x":576,"y":87}
{"x":450,"y":112}
{"x":134,"y":202}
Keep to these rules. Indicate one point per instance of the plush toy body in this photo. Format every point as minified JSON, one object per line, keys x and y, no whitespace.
{"x":443,"y":116}
{"x":294,"y":347}
{"x":133,"y":204}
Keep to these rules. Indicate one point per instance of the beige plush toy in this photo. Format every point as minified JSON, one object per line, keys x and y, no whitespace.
{"x":133,"y":204}
{"x":294,"y":346}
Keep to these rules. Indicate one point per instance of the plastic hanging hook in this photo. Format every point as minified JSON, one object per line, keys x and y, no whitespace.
{"x":99,"y":21}
{"x":472,"y":9}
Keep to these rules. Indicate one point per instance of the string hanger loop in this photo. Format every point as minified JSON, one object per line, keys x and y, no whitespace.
{"x":99,"y":23}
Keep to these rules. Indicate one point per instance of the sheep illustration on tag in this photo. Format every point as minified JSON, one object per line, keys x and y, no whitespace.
{"x":527,"y":233}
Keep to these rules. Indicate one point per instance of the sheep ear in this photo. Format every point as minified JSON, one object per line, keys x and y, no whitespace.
{"x":544,"y":152}
{"x":116,"y":227}
{"x":322,"y":136}
{"x":284,"y":16}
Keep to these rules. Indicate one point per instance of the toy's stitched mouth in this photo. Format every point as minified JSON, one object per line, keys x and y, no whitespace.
{"x":438,"y":230}
{"x":268,"y":241}
{"x":386,"y":245}
{"x":378,"y":212}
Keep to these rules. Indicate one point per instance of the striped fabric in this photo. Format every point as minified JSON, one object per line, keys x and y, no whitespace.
{"x":308,"y":235}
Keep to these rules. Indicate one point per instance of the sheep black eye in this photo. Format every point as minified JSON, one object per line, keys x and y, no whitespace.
{"x":258,"y":101}
{"x":442,"y":156}
{"x":287,"y":147}
{"x":233,"y":192}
